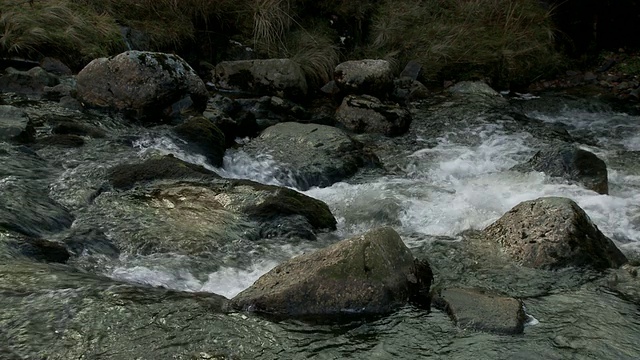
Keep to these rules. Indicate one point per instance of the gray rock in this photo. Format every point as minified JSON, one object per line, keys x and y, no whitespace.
{"x":229,"y":116}
{"x":15,"y":125}
{"x":406,"y":90}
{"x":271,"y":110}
{"x":411,"y":70}
{"x":367,"y":114}
{"x":570,"y":163}
{"x":55,"y":66}
{"x":13,"y":246}
{"x":279,"y":77}
{"x":374,"y":273}
{"x":373,"y":77}
{"x":473,"y":88}
{"x":143,"y":84}
{"x":310,"y":154}
{"x":482,"y":310}
{"x":553,"y":233}
{"x":173,"y":206}
{"x":31,"y":82}
{"x":201,"y":136}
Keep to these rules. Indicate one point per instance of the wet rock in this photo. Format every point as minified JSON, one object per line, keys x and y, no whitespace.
{"x":71,"y":103}
{"x":570,"y":163}
{"x":271,"y":110}
{"x":196,"y":217}
{"x":376,"y":269}
{"x":75,"y":307}
{"x":36,"y":249}
{"x":310,"y":154}
{"x":31,"y":82}
{"x":373,"y":77}
{"x":405,"y":89}
{"x":473,"y":88}
{"x":55,"y":93}
{"x":203,"y":137}
{"x":63,"y":141}
{"x":140,"y":83}
{"x":482,"y":310}
{"x":229,"y":116}
{"x":126,"y":176}
{"x":15,"y":125}
{"x":366,"y":113}
{"x":88,"y":242}
{"x":553,"y":233}
{"x":279,"y":77}
{"x":411,"y":70}
{"x":66,"y":127}
{"x":625,"y":281}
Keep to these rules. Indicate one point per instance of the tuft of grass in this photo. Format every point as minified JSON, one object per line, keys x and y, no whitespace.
{"x":510,"y":41}
{"x":58,"y":27}
{"x":314,"y":49}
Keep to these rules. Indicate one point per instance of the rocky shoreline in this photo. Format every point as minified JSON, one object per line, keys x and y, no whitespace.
{"x":162,"y":204}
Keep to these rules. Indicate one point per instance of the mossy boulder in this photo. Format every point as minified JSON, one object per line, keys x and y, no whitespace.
{"x":140,"y":83}
{"x":369,"y":76}
{"x":279,"y":77}
{"x":374,"y":273}
{"x":311,"y":154}
{"x":482,"y":310}
{"x":571,"y":163}
{"x":201,"y":136}
{"x":367,"y":114}
{"x":553,"y":233}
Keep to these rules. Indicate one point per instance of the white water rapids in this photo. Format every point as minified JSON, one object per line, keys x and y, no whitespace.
{"x":445,"y":189}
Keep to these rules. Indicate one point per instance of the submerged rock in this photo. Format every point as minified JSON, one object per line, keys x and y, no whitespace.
{"x":482,"y":310}
{"x":81,"y":314}
{"x":552,"y":233}
{"x":36,"y":249}
{"x":63,"y":141}
{"x":67,"y":127}
{"x":141,"y":83}
{"x":15,"y":125}
{"x":203,"y":137}
{"x":367,"y":114}
{"x":279,"y":77}
{"x":310,"y":154}
{"x":374,"y":273}
{"x":570,"y":163}
{"x":373,"y":77}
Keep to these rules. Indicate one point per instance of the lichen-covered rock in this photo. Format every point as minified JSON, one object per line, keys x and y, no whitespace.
{"x":201,"y":136}
{"x":367,"y":114}
{"x":552,"y":233}
{"x":374,"y":273}
{"x":482,"y":310}
{"x":571,"y":163}
{"x":279,"y":77}
{"x":310,"y":154}
{"x":15,"y":125}
{"x":373,"y":77}
{"x":31,"y":82}
{"x":140,"y":83}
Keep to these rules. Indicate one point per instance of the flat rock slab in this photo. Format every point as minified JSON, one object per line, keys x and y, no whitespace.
{"x":479,"y":310}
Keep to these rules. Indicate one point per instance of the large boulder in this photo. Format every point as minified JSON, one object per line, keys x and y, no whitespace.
{"x":15,"y":125}
{"x":310,"y":154}
{"x":367,"y":114}
{"x":167,"y":205}
{"x":374,"y":273}
{"x":373,"y":77}
{"x":552,"y":233}
{"x":141,"y":83}
{"x":31,"y":82}
{"x":572,"y":164}
{"x":279,"y":77}
{"x":482,"y":310}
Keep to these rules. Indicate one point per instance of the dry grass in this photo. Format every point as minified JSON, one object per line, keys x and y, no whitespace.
{"x":506,"y":40}
{"x":315,"y":51}
{"x":56,"y":26}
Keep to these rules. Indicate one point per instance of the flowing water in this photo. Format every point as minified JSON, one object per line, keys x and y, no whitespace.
{"x":446,"y":176}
